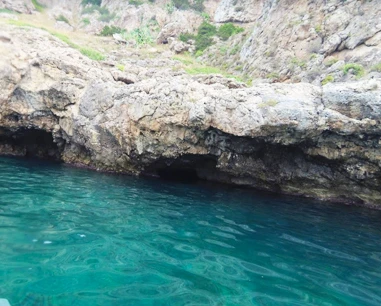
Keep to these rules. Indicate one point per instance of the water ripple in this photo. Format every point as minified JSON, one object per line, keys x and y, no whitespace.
{"x":80,"y":238}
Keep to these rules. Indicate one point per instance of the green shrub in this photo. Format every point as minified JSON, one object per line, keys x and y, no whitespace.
{"x":206,"y":29}
{"x":223,"y":50}
{"x":181,"y":4}
{"x":205,"y":16}
{"x":199,"y":53}
{"x":93,"y":2}
{"x":184,"y":60}
{"x":197,"y":5}
{"x":313,"y":56}
{"x":331,"y":62}
{"x":105,"y":16}
{"x":38,"y":6}
{"x":235,"y":50}
{"x":356,"y":69}
{"x":135,"y":2}
{"x":86,"y":21}
{"x":89,"y":10}
{"x":120,"y":67}
{"x":273,"y":75}
{"x":227,"y":30}
{"x":184,"y":37}
{"x":203,"y":42}
{"x":92,"y":54}
{"x":103,"y":10}
{"x":110,"y":30}
{"x":204,"y":35}
{"x":377,"y":67}
{"x":328,"y":79}
{"x":142,"y":36}
{"x":169,"y":7}
{"x":7,"y":11}
{"x":62,"y":18}
{"x":298,"y":62}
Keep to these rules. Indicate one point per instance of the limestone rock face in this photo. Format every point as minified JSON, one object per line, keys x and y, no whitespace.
{"x":298,"y":40}
{"x":301,"y":139}
{"x":19,"y":6}
{"x":238,"y":11}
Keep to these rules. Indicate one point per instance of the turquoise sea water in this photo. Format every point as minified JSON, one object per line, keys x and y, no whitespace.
{"x":76,"y":237}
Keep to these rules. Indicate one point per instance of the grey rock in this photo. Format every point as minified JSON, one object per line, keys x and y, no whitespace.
{"x":301,"y":139}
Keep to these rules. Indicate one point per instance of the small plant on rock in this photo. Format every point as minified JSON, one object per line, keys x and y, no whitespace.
{"x":142,"y":35}
{"x":268,"y":103}
{"x":170,"y":8}
{"x":63,"y":19}
{"x":235,"y":50}
{"x":331,"y":62}
{"x":355,"y":69}
{"x":92,"y":54}
{"x":298,"y":62}
{"x":313,"y":56}
{"x":328,"y":79}
{"x":110,"y":30}
{"x":38,"y":6}
{"x":376,"y":67}
{"x":135,"y":2}
{"x":185,"y":37}
{"x":273,"y":75}
{"x":227,"y":30}
{"x":93,"y":2}
{"x":86,"y":21}
{"x":205,"y":16}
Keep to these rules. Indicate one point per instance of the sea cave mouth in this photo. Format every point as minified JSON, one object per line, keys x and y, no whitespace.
{"x":184,"y":169}
{"x":29,"y":143}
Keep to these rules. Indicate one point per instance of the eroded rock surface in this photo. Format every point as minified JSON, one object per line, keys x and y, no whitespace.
{"x":19,"y":6}
{"x":300,"y":40}
{"x":299,"y":139}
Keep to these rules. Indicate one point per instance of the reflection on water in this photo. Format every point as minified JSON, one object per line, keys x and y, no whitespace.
{"x":75,"y":237}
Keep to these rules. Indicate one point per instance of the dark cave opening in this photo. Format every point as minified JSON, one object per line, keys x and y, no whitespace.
{"x":184,"y":169}
{"x":29,"y":143}
{"x":181,"y":175}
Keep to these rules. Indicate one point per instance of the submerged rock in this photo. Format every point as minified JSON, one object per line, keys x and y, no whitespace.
{"x":301,"y":139}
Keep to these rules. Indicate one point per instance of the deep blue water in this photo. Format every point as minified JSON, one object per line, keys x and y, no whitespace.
{"x":76,"y":237}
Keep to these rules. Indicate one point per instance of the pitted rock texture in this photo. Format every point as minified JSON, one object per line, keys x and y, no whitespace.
{"x":301,"y":139}
{"x":300,"y":40}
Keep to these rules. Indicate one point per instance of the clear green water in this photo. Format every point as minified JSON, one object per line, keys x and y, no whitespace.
{"x":76,"y":237}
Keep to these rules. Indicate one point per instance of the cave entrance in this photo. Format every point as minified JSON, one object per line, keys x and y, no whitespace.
{"x":29,"y":143}
{"x":184,"y":169}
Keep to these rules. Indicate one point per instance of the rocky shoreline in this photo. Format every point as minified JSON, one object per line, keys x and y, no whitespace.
{"x":300,"y":139}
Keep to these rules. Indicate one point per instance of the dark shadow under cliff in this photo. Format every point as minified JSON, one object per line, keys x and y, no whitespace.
{"x":29,"y":143}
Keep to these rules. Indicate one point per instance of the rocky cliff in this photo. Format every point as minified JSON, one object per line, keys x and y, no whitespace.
{"x":301,"y":40}
{"x":153,"y":119}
